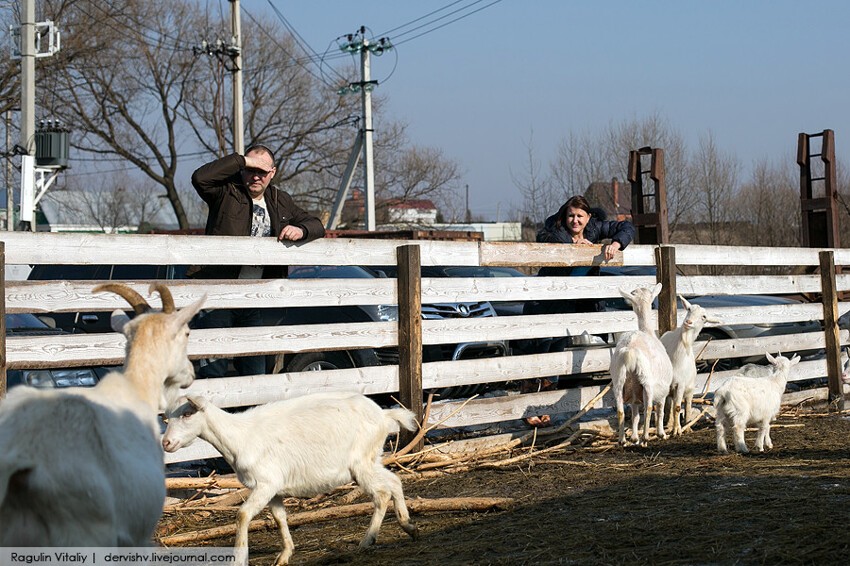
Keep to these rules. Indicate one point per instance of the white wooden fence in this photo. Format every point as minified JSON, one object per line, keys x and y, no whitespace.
{"x":101,"y":349}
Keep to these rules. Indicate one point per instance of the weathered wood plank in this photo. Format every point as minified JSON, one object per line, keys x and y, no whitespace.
{"x":539,"y":255}
{"x":77,"y":296}
{"x":690,"y":254}
{"x":126,"y":249}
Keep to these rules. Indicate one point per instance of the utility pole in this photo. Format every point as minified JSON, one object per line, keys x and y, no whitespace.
{"x":10,"y":192}
{"x":236,"y":31}
{"x":27,"y":102}
{"x":230,"y":55}
{"x":358,"y":43}
{"x":366,"y":103}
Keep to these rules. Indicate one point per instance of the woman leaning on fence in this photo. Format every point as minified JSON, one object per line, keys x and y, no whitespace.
{"x":574,"y":223}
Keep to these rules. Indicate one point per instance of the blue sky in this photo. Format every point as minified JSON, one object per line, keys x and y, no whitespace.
{"x":753,"y":73}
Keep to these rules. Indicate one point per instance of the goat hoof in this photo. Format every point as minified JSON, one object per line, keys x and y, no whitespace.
{"x":367,"y":542}
{"x":413,"y":531}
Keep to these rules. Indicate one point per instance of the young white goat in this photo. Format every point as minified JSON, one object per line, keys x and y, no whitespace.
{"x":300,"y":447}
{"x":83,"y":466}
{"x":641,"y":371}
{"x":679,"y":344}
{"x":745,"y":400}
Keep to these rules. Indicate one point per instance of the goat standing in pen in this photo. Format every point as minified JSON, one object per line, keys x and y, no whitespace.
{"x":641,"y":371}
{"x":745,"y":400}
{"x":84,"y":466}
{"x":679,"y":344}
{"x":300,"y":447}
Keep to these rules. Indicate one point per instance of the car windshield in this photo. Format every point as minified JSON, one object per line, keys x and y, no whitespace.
{"x":24,"y":321}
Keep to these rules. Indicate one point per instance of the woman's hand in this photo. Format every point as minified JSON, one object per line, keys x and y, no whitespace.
{"x":610,"y":249}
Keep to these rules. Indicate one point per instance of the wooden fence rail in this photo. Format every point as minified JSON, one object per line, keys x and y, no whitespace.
{"x":811,"y":273}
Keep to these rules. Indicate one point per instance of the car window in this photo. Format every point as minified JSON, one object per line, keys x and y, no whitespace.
{"x":135,"y":272}
{"x":23,"y":321}
{"x":68,"y":272}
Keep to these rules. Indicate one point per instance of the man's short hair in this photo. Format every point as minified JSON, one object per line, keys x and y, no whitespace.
{"x":261,"y":147}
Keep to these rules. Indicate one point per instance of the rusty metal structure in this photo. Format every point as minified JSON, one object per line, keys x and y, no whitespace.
{"x":819,"y":207}
{"x":649,"y":205}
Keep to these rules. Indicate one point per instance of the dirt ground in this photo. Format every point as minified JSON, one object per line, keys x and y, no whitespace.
{"x":674,"y":502}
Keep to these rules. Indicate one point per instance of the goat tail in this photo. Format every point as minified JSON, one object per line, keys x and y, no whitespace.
{"x":401,"y":417}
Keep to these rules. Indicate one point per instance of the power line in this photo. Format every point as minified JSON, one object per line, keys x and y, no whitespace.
{"x":276,"y":42}
{"x":300,"y":41}
{"x":426,"y":32}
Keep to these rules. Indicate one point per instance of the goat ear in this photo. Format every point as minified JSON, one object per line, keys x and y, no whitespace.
{"x":197,"y":403}
{"x":770,"y":358}
{"x":184,"y":315}
{"x":685,"y":302}
{"x":795,"y":359}
{"x":118,"y":320}
{"x":626,"y":295}
{"x":713,"y":320}
{"x":656,"y":290}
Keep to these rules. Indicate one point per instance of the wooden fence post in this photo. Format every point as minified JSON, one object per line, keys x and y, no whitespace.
{"x":410,"y":335}
{"x":2,"y":320}
{"x":665,"y":273}
{"x":829,"y":294}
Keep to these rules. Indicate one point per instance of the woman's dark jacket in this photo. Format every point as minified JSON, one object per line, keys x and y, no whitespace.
{"x":596,"y":230}
{"x":219,"y":184}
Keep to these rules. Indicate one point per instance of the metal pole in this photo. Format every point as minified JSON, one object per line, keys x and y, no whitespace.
{"x":28,"y":79}
{"x":368,"y":168}
{"x":238,"y":127}
{"x":10,"y":191}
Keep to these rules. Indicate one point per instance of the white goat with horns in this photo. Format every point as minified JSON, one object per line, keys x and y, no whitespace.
{"x":679,"y":344}
{"x":300,"y":447}
{"x":84,"y":466}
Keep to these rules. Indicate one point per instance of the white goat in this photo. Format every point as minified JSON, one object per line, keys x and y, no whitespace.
{"x":83,"y":466}
{"x":300,"y":447}
{"x":745,"y":400}
{"x":641,"y":371}
{"x":679,"y":344}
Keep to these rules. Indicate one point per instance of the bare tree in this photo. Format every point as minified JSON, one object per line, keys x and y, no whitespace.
{"x":112,"y":203}
{"x":539,"y":199}
{"x":714,"y":177}
{"x":769,"y":205}
{"x":120,"y":81}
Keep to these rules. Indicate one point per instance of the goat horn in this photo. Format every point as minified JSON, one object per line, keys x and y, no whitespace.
{"x":139,"y":304}
{"x":165,"y":295}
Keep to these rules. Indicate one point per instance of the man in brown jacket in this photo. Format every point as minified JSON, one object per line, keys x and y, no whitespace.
{"x":242,"y":202}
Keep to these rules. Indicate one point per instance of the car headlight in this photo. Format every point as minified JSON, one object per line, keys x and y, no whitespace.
{"x":38,"y":378}
{"x":387,"y":312}
{"x":75,"y":377}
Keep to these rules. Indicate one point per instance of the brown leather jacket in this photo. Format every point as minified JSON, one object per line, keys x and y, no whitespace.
{"x":219,"y":184}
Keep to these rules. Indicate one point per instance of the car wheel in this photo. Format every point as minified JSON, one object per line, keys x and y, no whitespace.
{"x":727,"y":364}
{"x":318,"y":361}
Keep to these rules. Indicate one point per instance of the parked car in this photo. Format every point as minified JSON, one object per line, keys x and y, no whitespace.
{"x":728,"y":331}
{"x":25,"y":324}
{"x":304,"y":361}
{"x":503,"y":308}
